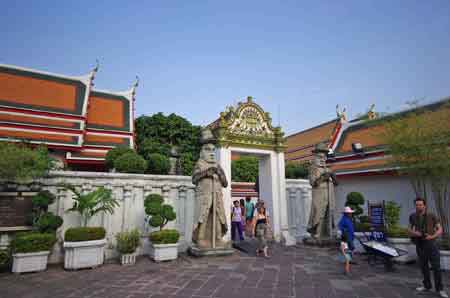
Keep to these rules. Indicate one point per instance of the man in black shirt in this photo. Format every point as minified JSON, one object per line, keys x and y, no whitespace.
{"x":424,"y":228}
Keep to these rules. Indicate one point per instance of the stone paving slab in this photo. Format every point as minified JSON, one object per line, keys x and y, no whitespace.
{"x":290,"y":272}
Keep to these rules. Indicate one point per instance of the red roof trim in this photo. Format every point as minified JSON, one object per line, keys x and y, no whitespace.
{"x":32,"y":112}
{"x":36,"y":129}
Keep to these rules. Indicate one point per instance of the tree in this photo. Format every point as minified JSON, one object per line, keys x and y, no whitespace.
{"x":20,"y":163}
{"x":419,"y":146}
{"x":89,"y":204}
{"x":245,"y":169}
{"x":354,"y":201}
{"x":159,"y":133}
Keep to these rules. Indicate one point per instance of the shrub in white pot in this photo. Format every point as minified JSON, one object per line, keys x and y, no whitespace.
{"x":31,"y":251}
{"x":127,"y":243}
{"x":164,"y":243}
{"x":84,"y":246}
{"x":398,"y":236}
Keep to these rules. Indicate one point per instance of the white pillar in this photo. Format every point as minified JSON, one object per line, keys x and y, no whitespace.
{"x":224,"y":159}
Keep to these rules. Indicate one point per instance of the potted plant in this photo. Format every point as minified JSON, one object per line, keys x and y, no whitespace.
{"x":31,"y":250}
{"x":84,"y":246}
{"x":163,"y":242}
{"x":127,"y":243}
{"x":398,"y":236}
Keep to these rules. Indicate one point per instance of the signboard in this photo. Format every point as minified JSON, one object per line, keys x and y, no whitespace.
{"x":15,"y":207}
{"x":376,"y":215}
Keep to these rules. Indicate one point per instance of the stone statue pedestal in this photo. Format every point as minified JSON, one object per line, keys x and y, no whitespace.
{"x":203,"y":252}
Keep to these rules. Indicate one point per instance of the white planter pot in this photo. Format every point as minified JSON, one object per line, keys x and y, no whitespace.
{"x":164,"y":252}
{"x":84,"y":254}
{"x":407,"y":245}
{"x":128,"y":259}
{"x":30,"y":262}
{"x":445,"y":260}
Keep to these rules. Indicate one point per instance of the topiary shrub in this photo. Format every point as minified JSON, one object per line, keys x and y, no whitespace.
{"x":128,"y":241}
{"x":32,"y":242}
{"x":164,"y":237}
{"x":158,"y":164}
{"x":42,"y":220}
{"x":115,"y":153}
{"x":362,"y":227}
{"x":130,"y":162}
{"x":158,"y":215}
{"x":48,"y":223}
{"x":84,"y":234}
{"x":354,"y":201}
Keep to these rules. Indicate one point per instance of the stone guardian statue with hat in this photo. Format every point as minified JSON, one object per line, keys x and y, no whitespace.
{"x":322,"y":180}
{"x":210,"y":224}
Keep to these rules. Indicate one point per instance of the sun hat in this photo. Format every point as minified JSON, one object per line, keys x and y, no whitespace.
{"x":348,"y":210}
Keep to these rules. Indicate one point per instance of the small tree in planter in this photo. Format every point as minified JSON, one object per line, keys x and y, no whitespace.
{"x":84,"y":246}
{"x":164,"y":242}
{"x":127,"y":243}
{"x":30,"y":250}
{"x":397,"y":235}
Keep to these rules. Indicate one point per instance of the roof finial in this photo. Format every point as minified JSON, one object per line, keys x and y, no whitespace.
{"x":94,"y":71}
{"x":341,"y":114}
{"x":249,"y":99}
{"x":371,"y":113}
{"x":133,"y":88}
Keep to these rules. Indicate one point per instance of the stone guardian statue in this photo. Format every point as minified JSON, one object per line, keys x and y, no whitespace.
{"x":322,"y":180}
{"x":209,"y":178}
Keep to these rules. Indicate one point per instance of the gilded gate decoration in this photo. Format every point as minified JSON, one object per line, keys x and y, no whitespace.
{"x":247,"y":125}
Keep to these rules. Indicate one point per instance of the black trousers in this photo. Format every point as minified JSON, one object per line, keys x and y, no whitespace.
{"x":428,"y":252}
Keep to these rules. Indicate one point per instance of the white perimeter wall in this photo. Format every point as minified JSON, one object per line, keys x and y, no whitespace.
{"x":377,"y":189}
{"x":131,"y":189}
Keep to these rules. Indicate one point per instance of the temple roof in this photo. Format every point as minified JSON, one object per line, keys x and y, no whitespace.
{"x":300,"y":145}
{"x":64,"y":112}
{"x":369,"y":134}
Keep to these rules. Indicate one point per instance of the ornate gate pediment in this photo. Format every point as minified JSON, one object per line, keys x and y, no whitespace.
{"x":247,"y":125}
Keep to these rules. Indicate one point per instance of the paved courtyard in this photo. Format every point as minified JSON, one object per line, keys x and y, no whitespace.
{"x":290,"y":272}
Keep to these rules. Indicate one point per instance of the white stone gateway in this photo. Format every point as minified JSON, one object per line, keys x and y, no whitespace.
{"x":247,"y":129}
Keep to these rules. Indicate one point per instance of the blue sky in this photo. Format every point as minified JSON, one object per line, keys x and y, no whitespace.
{"x":298,"y":59}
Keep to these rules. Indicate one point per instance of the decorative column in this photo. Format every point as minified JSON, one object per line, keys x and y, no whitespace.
{"x":223,"y":155}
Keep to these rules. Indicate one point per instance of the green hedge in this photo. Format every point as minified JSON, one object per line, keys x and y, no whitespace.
{"x":114,"y":154}
{"x":158,"y":164}
{"x":397,"y":232}
{"x":168,"y":236}
{"x":362,"y":227}
{"x":84,"y":234}
{"x":130,"y":163}
{"x":32,"y":242}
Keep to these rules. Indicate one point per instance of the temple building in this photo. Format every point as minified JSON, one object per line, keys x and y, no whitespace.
{"x":78,"y":123}
{"x":359,"y":157}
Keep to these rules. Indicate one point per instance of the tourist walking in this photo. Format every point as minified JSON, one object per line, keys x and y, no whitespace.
{"x":346,"y":253}
{"x":242,"y":205}
{"x":346,"y":226}
{"x":249,"y":211}
{"x":236,"y":221}
{"x":424,"y":228}
{"x":261,"y":224}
